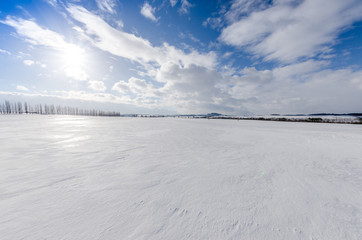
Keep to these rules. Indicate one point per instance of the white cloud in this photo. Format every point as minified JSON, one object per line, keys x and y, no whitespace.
{"x":96,"y":97}
{"x":28,"y":62}
{"x":173,"y":2}
{"x":304,"y":87}
{"x":185,"y":7}
{"x":298,"y":88}
{"x":36,"y":35}
{"x":213,"y":22}
{"x":21,"y":88}
{"x":107,"y":5}
{"x":119,"y":24}
{"x":189,"y":90}
{"x":191,"y":37}
{"x":52,"y":2}
{"x":97,"y":86}
{"x":190,"y":81}
{"x":76,"y":73}
{"x":227,"y":54}
{"x":4,"y":51}
{"x":136,"y":86}
{"x":112,"y":40}
{"x":289,"y":30}
{"x":171,"y":78}
{"x":148,"y":11}
{"x":134,"y":48}
{"x":241,"y":8}
{"x":194,"y":89}
{"x":121,"y":87}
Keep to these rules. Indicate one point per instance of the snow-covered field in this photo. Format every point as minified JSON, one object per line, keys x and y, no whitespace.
{"x":64,"y":177}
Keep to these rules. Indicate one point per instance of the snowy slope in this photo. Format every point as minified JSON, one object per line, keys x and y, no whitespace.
{"x":64,"y":177}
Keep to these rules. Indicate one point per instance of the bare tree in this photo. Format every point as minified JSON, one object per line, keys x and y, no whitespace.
{"x":46,"y":109}
{"x":20,"y":108}
{"x":8,"y":107}
{"x":52,"y":109}
{"x":26,"y":107}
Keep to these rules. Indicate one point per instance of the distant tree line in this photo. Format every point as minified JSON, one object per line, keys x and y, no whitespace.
{"x":337,"y":119}
{"x":50,"y":109}
{"x":8,"y":107}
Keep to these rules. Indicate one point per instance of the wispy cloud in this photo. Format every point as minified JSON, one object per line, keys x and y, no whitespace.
{"x":191,"y":37}
{"x":21,"y":88}
{"x":37,"y":35}
{"x":241,"y":8}
{"x":213,"y":22}
{"x":4,"y":51}
{"x":135,"y":48}
{"x":28,"y":62}
{"x":76,"y":73}
{"x":290,"y":30}
{"x":148,"y":12}
{"x":173,"y":2}
{"x":112,"y":40}
{"x":107,"y":5}
{"x":52,"y":2}
{"x":97,"y":86}
{"x":185,"y":7}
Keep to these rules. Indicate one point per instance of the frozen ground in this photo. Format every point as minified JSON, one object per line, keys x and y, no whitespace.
{"x":65,"y":177}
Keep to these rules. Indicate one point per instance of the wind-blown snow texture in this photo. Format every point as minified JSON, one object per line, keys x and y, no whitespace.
{"x":65,"y":177}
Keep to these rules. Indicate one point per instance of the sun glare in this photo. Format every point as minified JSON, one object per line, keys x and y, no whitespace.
{"x":73,"y":56}
{"x":74,"y":62}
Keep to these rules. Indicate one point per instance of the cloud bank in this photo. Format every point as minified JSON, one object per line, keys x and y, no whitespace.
{"x":287,"y":31}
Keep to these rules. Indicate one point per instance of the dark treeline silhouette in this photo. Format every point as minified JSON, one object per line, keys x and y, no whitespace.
{"x":337,"y":119}
{"x":8,"y":107}
{"x":50,"y":109}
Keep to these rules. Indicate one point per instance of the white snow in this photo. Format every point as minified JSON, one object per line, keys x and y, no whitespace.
{"x":64,"y":177}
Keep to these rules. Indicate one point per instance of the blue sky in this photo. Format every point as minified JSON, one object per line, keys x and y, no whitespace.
{"x":184,"y":56}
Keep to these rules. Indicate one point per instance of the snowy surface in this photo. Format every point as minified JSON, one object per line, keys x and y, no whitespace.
{"x":64,"y":177}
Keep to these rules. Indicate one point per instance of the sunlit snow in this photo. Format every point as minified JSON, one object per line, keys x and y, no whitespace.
{"x":64,"y":177}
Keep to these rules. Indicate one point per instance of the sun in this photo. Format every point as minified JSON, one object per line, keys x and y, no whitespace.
{"x":73,"y":56}
{"x":74,"y":62}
